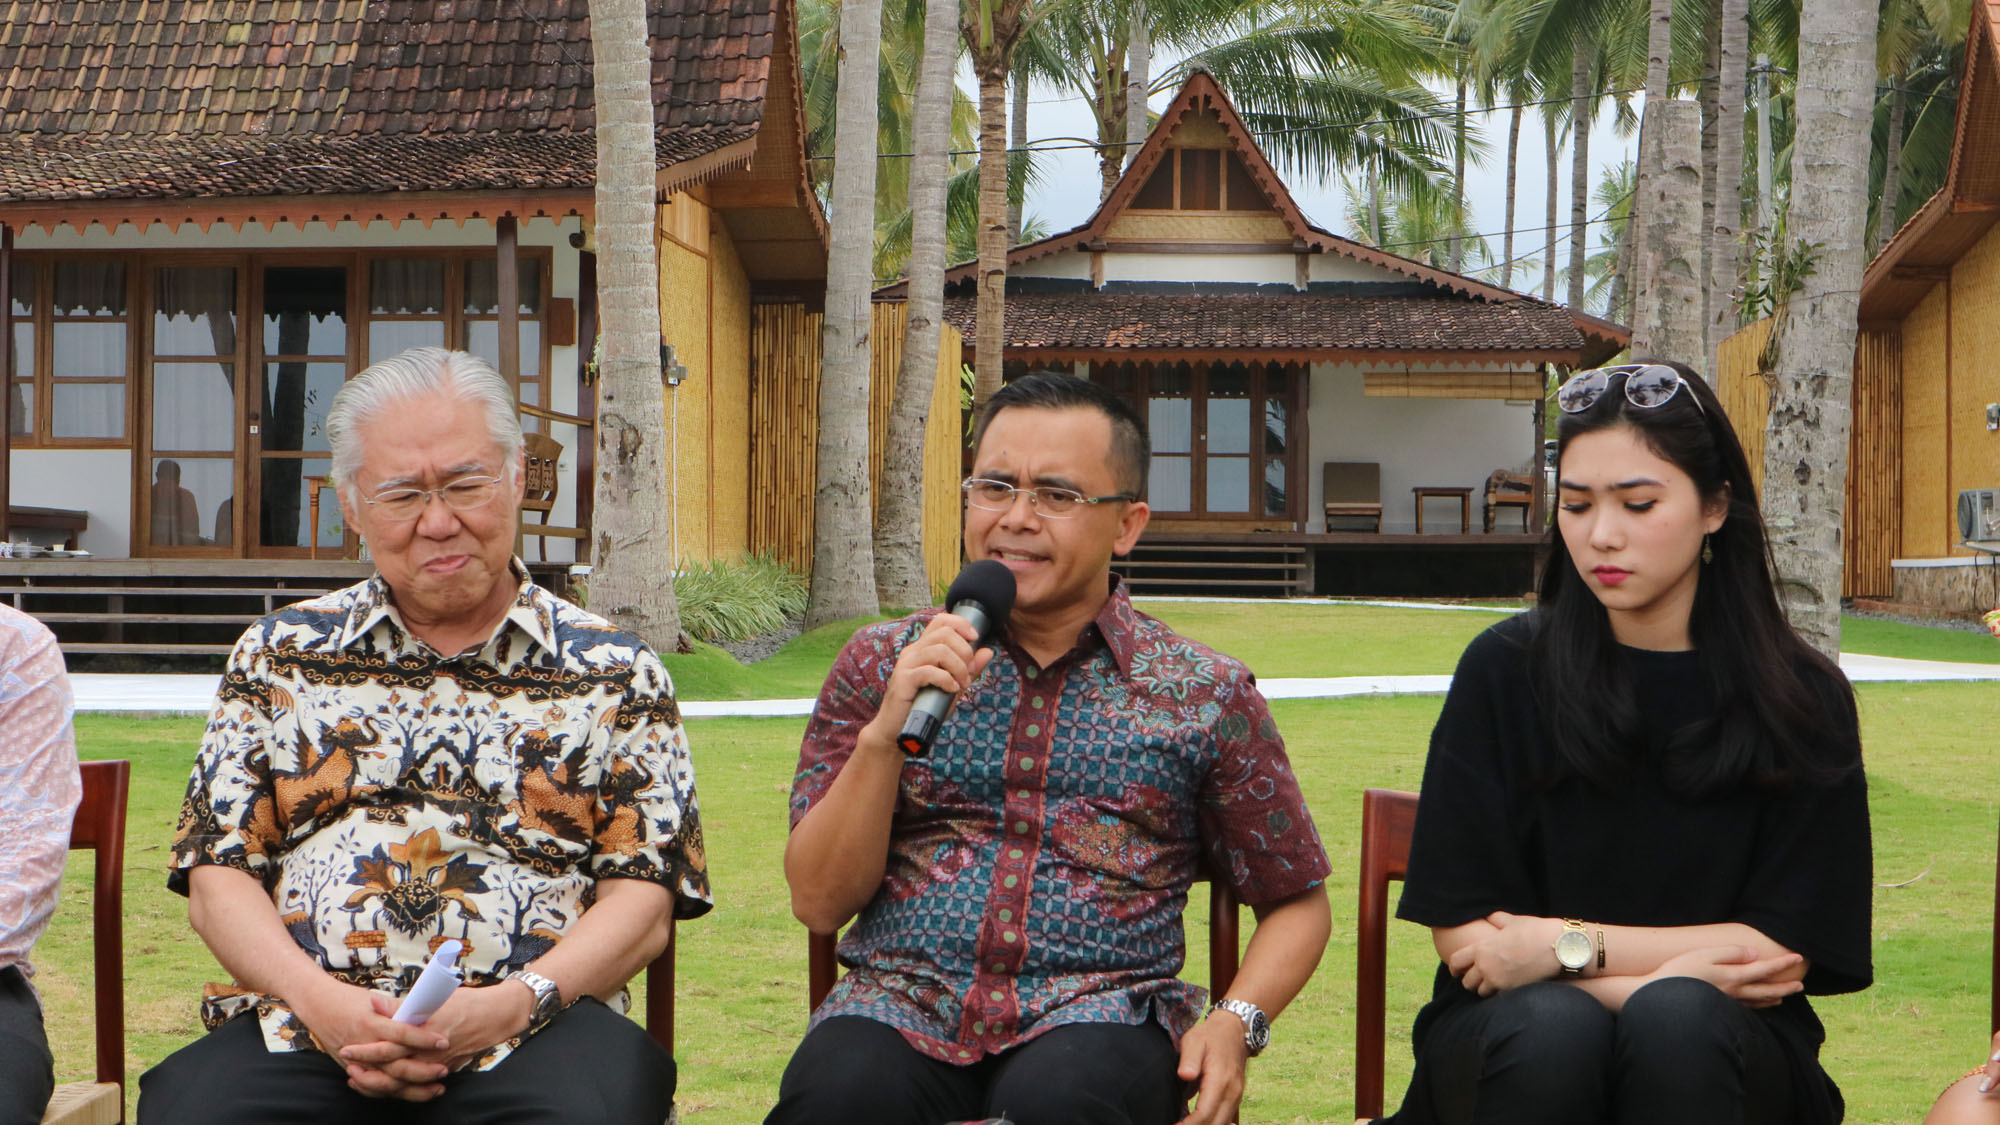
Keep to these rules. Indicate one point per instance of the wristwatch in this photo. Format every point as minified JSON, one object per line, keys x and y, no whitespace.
{"x":1573,"y":949}
{"x":548,"y":1001}
{"x":1257,"y":1026}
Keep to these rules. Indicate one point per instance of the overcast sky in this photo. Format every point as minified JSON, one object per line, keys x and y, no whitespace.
{"x":1067,"y":192}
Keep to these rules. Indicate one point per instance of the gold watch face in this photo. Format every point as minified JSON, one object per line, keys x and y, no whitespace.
{"x":1573,"y":950}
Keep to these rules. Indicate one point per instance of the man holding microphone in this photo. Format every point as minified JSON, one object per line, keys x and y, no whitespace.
{"x":1019,"y":883}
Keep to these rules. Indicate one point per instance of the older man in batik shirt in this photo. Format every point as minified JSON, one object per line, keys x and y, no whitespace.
{"x":1017,"y":893}
{"x":443,"y":752}
{"x":39,"y":790}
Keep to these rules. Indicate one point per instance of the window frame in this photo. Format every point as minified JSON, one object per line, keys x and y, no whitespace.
{"x":40,"y":432}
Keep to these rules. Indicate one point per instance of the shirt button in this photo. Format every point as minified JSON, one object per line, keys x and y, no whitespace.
{"x":979,"y":1027}
{"x":998,"y":968}
{"x":1006,"y":916}
{"x":1033,"y":672}
{"x":1027,"y":763}
{"x":1021,"y":793}
{"x":964,"y":1054}
{"x":1015,"y":853}
{"x":1020,"y":828}
{"x":997,"y":994}
{"x":1034,"y":730}
{"x":1011,"y":881}
{"x":1010,"y":936}
{"x":1037,"y":703}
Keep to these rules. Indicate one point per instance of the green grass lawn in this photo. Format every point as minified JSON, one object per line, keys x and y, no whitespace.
{"x":742,"y":968}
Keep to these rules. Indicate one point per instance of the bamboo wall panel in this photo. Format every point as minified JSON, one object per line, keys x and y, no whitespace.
{"x":1198,"y":226}
{"x":1452,"y":384}
{"x":1926,"y":529}
{"x":784,"y":411}
{"x":1975,"y":379}
{"x":684,"y":323}
{"x":1874,"y":468}
{"x":685,"y":219}
{"x":1745,"y":396}
{"x":729,"y":406}
{"x":1201,"y":129}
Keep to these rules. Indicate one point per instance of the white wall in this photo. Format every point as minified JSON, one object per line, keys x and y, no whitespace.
{"x":1071,"y":264}
{"x":1259,"y":269}
{"x":97,"y":481}
{"x":1444,"y":442}
{"x":83,"y":478}
{"x":1333,"y":267}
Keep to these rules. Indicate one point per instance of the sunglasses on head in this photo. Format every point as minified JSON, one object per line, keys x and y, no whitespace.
{"x":1647,"y":385}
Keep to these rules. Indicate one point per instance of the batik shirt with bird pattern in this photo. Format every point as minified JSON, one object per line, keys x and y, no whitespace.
{"x":391,"y":798}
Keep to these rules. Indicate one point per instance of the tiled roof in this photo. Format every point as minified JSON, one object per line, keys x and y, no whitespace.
{"x":1275,"y":322}
{"x":111,"y":99}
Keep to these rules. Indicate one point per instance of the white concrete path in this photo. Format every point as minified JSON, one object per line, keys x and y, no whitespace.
{"x":193,"y":694}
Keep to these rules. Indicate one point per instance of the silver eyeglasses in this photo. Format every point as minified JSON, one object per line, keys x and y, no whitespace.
{"x":1055,"y":503}
{"x":408,"y":503}
{"x":1647,"y":385}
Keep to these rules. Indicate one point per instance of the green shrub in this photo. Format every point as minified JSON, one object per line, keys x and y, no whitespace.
{"x":733,"y":601}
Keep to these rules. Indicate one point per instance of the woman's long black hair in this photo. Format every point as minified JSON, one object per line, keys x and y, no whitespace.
{"x":1770,"y":725}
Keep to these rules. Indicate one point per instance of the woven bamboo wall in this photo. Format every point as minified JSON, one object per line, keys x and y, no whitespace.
{"x":1198,"y":226}
{"x":685,"y":317}
{"x":1871,"y":536}
{"x":1927,"y":529}
{"x":729,"y":406}
{"x":1975,"y":380}
{"x":1451,"y":384}
{"x":784,"y":409}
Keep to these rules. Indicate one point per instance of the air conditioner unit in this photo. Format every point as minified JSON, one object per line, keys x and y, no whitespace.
{"x":1979,"y":515}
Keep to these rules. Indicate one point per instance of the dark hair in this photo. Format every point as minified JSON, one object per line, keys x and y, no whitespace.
{"x":1131,"y":448}
{"x":1770,"y":725}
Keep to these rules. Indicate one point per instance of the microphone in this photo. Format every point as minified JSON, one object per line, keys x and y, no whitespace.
{"x":983,"y":594}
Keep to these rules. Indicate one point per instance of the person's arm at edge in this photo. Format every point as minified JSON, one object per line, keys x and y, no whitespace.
{"x":1283,"y":952}
{"x":38,"y":729}
{"x":837,"y":853}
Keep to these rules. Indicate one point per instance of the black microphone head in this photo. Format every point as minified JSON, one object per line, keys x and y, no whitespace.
{"x":989,"y":583}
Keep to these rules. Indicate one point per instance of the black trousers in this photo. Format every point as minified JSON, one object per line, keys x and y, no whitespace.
{"x":588,"y":1064}
{"x":1681,"y":1051}
{"x":851,"y":1069}
{"x":27,"y":1070}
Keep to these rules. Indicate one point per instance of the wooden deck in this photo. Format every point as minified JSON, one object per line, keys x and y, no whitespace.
{"x":1347,"y":563}
{"x":175,"y":608}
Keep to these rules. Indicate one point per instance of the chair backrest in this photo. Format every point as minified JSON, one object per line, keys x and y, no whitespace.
{"x":100,"y":826}
{"x":1387,"y":818}
{"x":1351,"y":481}
{"x":1504,"y":481}
{"x":1224,"y":954}
{"x":660,"y":994}
{"x":1996,"y":941}
{"x":539,"y":472}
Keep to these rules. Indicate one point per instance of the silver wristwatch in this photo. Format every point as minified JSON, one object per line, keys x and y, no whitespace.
{"x":548,"y":1001}
{"x":1256,"y":1025}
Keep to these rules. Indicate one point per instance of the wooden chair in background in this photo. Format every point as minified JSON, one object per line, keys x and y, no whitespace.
{"x":543,"y":479}
{"x":100,"y":826}
{"x":1387,"y":818}
{"x":1352,"y":489}
{"x":1508,"y":490}
{"x":660,"y":995}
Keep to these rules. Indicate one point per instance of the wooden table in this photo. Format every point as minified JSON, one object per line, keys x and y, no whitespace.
{"x":1425,"y":492}
{"x":71,"y":523}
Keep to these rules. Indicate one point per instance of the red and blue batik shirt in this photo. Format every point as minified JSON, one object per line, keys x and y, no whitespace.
{"x":1041,"y":854}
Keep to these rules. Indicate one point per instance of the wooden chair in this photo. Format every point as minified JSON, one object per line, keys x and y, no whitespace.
{"x":543,"y":479}
{"x":1352,"y":489}
{"x":1508,"y":490}
{"x":1387,"y":818}
{"x":100,"y":826}
{"x":660,"y":995}
{"x":1224,"y":952}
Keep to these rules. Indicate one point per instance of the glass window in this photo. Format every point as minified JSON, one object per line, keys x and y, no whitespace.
{"x":1274,"y":489}
{"x":287,"y":503}
{"x":296,"y":399}
{"x":87,"y":410}
{"x":305,"y":310}
{"x":194,"y":311}
{"x":406,"y":287}
{"x":482,"y":286}
{"x":21,"y":411}
{"x":194,"y":406}
{"x":22,"y":294}
{"x":192,"y":501}
{"x":1228,"y":484}
{"x":482,"y":338}
{"x":1168,"y":487}
{"x":389,"y":337}
{"x":89,"y":288}
{"x":89,"y":349}
{"x":1228,"y":410}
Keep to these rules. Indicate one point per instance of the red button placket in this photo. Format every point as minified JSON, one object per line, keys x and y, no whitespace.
{"x":993,"y":1011}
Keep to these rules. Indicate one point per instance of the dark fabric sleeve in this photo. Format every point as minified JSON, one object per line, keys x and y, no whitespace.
{"x":1465,"y":854}
{"x":1812,"y":889}
{"x":1254,"y":822}
{"x":847,"y":702}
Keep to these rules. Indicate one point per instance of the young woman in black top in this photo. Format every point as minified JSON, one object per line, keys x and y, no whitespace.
{"x":1643,"y":833}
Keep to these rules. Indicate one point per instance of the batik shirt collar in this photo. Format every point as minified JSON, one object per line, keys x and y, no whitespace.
{"x":531,"y":612}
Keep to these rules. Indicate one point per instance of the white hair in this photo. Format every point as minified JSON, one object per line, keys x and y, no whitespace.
{"x":418,"y":373}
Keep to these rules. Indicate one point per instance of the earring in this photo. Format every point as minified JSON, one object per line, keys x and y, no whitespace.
{"x":1707,"y":552}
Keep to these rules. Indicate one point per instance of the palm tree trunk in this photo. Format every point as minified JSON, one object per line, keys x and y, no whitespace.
{"x":1709,"y":94}
{"x":1017,"y":141}
{"x":1805,"y":438}
{"x":1108,"y":103}
{"x":632,"y":542}
{"x":991,"y":334}
{"x":1579,"y":169}
{"x":1553,"y":152}
{"x":1513,"y":147}
{"x":1726,"y":243}
{"x":1138,"y":77}
{"x":843,"y":569}
{"x":1621,"y":281}
{"x":901,"y":578}
{"x":1456,"y":247}
{"x":1659,"y":52}
{"x":1892,"y":168}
